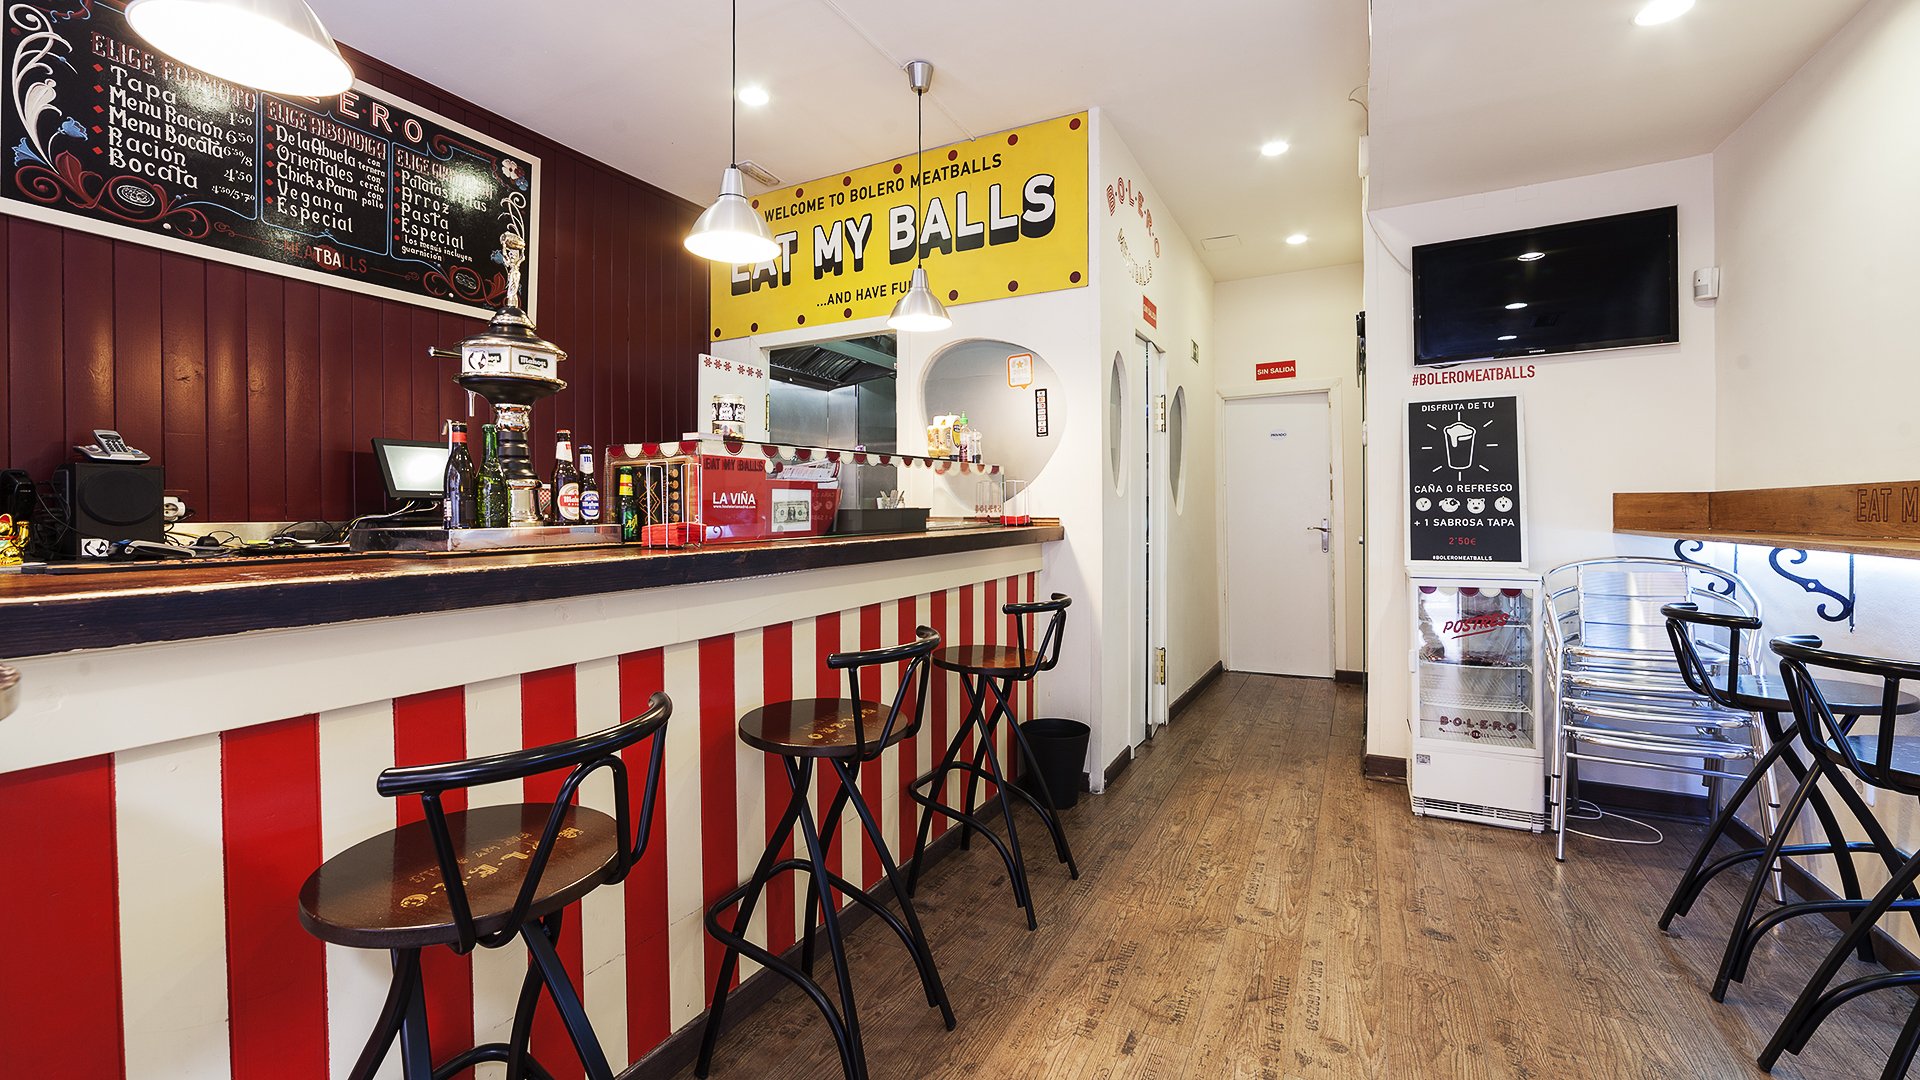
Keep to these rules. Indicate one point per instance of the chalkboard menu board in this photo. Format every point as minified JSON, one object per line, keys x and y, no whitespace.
{"x":1464,"y":502}
{"x":363,"y":190}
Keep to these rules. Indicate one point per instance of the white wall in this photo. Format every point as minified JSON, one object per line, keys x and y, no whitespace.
{"x":1306,"y":317}
{"x":1817,"y":224}
{"x":1183,"y":293}
{"x":1078,"y":332}
{"x":1597,"y":423}
{"x":1819,"y":231}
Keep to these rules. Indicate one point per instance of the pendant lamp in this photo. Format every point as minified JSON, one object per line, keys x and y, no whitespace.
{"x":731,"y":231}
{"x":919,"y":310}
{"x":277,"y":46}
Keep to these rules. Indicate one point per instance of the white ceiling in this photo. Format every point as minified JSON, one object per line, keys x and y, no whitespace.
{"x":1479,"y":95}
{"x":1194,"y":88}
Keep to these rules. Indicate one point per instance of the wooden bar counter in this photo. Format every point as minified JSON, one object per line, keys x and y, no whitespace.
{"x":191,"y":742}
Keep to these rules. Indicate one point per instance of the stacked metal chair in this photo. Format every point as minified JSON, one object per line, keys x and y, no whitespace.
{"x":1616,"y":694}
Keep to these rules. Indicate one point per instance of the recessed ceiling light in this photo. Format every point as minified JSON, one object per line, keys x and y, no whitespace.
{"x":1506,"y":337}
{"x":1516,"y":305}
{"x":1530,"y":256}
{"x":1660,"y":11}
{"x":1274,"y":148}
{"x":754,"y":96}
{"x":1297,"y":238}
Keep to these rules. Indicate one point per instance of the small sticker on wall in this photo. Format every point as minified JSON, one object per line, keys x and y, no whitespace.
{"x":1020,"y":370}
{"x":1274,"y":369}
{"x":1040,"y":412}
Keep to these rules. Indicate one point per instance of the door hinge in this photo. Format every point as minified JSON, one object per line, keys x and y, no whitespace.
{"x":1160,"y":413}
{"x":1160,"y":667}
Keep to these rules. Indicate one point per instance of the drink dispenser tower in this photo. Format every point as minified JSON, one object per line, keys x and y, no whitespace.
{"x":512,"y":367}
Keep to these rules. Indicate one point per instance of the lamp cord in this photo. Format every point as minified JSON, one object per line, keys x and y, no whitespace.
{"x":733,"y":100}
{"x":919,"y":167}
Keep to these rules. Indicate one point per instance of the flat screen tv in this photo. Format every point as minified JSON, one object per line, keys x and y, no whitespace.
{"x":1605,"y":283}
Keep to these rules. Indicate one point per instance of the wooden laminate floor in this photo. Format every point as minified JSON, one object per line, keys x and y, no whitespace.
{"x":1248,"y":906}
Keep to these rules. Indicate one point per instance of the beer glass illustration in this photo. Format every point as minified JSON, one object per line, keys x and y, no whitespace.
{"x":1459,"y":438}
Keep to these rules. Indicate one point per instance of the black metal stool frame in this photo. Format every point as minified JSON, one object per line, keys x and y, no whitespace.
{"x":1835,"y":757}
{"x":1782,"y":749}
{"x":844,"y":1022}
{"x":1748,"y":931}
{"x":986,"y":763}
{"x":405,"y":1013}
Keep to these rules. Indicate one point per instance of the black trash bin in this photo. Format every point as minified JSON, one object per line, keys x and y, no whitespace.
{"x":1059,"y":751}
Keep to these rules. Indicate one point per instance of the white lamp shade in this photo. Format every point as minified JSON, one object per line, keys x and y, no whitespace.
{"x":731,"y":231}
{"x":274,"y":45}
{"x":919,"y":310}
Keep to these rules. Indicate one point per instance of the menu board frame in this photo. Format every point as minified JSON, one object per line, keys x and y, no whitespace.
{"x":1493,"y":467}
{"x":55,"y":214}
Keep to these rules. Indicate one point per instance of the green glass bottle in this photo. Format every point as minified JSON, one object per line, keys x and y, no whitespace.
{"x":493,"y":481}
{"x":629,"y":507}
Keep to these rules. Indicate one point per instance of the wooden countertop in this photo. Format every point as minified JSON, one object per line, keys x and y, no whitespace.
{"x":1881,"y":518}
{"x":48,"y":613}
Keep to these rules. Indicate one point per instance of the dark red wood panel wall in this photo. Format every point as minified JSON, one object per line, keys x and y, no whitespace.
{"x":259,"y":393}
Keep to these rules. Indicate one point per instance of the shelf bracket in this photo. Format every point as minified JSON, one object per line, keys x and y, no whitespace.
{"x":1843,"y":603}
{"x":1685,"y":549}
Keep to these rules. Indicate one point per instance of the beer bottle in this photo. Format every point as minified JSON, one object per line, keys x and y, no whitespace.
{"x":493,"y":480}
{"x":589,"y":489}
{"x":566,"y":480}
{"x":629,"y":507}
{"x":460,"y":489}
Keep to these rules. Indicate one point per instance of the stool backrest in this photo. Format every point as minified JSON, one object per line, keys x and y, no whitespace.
{"x":913,"y":680}
{"x":1047,"y":653}
{"x":583,"y":757}
{"x":1685,"y":624}
{"x":1826,"y":734}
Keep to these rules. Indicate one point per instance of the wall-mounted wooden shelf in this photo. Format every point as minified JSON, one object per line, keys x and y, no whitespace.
{"x":1859,"y":519}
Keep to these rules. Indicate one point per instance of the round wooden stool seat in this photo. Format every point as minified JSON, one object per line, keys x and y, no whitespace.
{"x":986,"y":659}
{"x":814,"y":727}
{"x":386,"y":892}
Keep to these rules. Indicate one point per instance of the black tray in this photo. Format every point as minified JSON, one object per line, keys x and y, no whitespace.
{"x":906,"y":519}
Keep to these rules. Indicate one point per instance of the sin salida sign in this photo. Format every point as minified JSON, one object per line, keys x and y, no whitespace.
{"x":1464,"y":488}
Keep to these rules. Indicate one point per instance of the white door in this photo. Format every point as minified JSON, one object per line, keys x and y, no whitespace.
{"x":1158,"y":497}
{"x":1278,"y":506}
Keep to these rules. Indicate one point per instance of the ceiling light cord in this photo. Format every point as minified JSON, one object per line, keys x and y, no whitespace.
{"x":733,"y":100}
{"x":920,"y":169}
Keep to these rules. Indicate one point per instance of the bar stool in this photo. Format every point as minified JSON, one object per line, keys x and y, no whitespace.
{"x":842,"y":733}
{"x":996,"y":667}
{"x":471,"y":878}
{"x":1884,"y":760}
{"x":1755,"y":695}
{"x":1768,"y":697}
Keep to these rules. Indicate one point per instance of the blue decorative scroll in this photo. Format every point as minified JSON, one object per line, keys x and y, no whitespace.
{"x":1843,"y":603}
{"x":1681,"y":549}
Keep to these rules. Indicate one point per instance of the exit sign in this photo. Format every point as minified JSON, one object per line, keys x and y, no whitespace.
{"x":1150,"y":313}
{"x":1274,"y":369}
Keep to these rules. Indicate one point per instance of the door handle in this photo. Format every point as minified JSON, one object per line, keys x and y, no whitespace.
{"x":1325,"y":529}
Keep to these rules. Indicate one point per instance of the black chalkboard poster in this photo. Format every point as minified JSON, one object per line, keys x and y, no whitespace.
{"x":1464,"y":497}
{"x":362,"y":191}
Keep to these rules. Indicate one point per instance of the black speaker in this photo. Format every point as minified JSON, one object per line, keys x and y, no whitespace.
{"x":101,"y":502}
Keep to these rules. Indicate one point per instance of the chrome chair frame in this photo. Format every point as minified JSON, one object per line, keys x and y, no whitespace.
{"x":1624,"y":693}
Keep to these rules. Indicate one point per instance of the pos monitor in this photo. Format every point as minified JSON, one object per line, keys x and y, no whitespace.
{"x":412,"y":469}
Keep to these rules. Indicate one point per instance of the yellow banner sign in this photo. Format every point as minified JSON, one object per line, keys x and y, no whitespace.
{"x":1003,"y":215}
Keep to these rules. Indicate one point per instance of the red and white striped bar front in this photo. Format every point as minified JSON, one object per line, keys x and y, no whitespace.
{"x":167,"y":800}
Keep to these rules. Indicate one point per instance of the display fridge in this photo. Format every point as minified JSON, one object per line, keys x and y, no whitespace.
{"x":1477,"y":736}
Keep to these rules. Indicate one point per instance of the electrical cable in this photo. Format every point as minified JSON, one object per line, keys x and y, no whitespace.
{"x":1587,"y":810}
{"x":410,"y":505}
{"x":733,"y":106}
